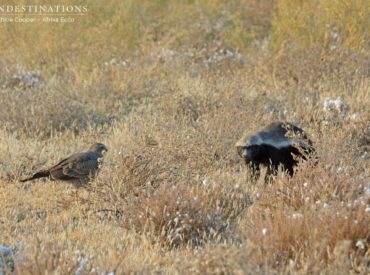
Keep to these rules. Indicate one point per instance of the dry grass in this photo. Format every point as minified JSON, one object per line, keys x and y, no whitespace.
{"x":170,"y":87}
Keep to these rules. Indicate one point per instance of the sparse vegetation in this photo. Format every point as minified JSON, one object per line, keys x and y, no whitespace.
{"x":170,"y":87}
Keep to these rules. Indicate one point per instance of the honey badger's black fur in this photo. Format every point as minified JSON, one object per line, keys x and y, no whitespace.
{"x":272,"y":147}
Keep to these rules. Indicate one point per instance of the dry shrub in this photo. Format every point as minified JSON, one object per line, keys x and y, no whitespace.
{"x":314,"y":212}
{"x":184,"y":214}
{"x":357,"y":132}
{"x":349,"y":145}
{"x":136,"y":173}
{"x":225,"y":259}
{"x":47,"y":259}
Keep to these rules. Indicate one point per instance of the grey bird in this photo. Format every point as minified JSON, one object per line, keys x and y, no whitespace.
{"x":77,"y":168}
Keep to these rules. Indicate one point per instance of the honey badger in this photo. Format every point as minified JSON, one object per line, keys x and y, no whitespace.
{"x":278,"y":144}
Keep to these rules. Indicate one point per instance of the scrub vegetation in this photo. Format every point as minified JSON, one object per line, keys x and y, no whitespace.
{"x":170,"y":87}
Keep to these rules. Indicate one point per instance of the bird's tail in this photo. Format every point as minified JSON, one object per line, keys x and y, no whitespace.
{"x":40,"y":174}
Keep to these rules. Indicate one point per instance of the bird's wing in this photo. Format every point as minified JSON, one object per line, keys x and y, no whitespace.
{"x":79,"y":165}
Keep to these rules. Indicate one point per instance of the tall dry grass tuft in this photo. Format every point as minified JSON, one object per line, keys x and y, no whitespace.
{"x":47,"y":258}
{"x":314,"y":212}
{"x":182,"y":214}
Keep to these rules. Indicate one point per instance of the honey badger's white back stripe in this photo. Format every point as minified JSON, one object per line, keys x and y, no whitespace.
{"x":280,"y":135}
{"x":274,"y":139}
